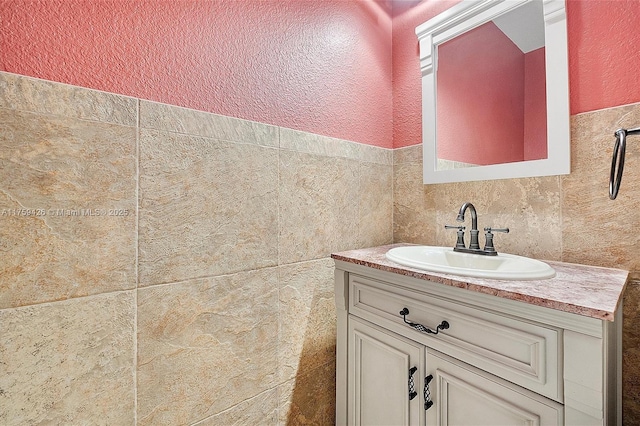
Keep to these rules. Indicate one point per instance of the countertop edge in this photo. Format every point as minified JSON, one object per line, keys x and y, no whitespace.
{"x":563,"y":293}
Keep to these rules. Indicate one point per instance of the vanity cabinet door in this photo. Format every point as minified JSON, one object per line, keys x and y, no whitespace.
{"x":381,"y":367}
{"x":463,"y":395}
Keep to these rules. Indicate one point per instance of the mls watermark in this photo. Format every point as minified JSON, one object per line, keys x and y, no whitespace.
{"x":65,"y":212}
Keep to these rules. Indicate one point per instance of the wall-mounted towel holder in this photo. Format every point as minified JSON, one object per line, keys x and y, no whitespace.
{"x":617,"y":163}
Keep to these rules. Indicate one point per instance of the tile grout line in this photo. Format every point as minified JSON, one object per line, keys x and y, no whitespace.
{"x":71,"y":299}
{"x":279,"y":275}
{"x":278,"y":210}
{"x":393,"y":196}
{"x":137,"y":273}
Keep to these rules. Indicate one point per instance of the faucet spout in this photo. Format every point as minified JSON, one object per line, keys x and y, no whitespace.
{"x":473,"y":244}
{"x":474,"y":214}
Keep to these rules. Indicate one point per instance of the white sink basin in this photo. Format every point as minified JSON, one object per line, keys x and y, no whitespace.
{"x":447,"y":261}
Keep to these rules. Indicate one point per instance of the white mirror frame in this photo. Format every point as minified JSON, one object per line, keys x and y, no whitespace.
{"x":470,"y":14}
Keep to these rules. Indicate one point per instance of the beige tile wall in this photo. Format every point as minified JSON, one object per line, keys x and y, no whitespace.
{"x":168,"y":266}
{"x":202,"y":292}
{"x":568,"y":218}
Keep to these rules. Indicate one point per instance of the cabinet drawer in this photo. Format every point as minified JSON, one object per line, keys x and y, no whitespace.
{"x":522,"y":352}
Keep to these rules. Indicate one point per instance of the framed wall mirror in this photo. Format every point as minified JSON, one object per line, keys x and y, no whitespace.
{"x":495,"y":91}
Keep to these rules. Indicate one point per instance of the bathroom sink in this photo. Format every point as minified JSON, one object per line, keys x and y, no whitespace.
{"x":447,"y":261}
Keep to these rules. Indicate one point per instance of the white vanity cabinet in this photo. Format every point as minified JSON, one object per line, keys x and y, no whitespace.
{"x":500,"y":362}
{"x":391,"y":378}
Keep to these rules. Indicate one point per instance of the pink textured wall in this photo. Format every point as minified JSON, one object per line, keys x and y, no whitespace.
{"x":604,"y":53}
{"x":481,"y":113}
{"x":604,"y":60}
{"x":324,"y":66}
{"x":407,"y":83}
{"x":318,"y":66}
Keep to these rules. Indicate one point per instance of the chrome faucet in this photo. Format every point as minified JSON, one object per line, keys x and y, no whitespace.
{"x":474,"y":245}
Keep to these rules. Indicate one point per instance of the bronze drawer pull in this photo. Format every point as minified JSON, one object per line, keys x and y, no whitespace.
{"x":412,"y":385}
{"x":442,"y":326}
{"x":428,"y":403}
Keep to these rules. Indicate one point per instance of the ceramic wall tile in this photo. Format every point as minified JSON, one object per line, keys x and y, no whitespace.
{"x":205,"y":345}
{"x":307,"y":317}
{"x":375,"y":205}
{"x":171,"y":118}
{"x":414,"y":212}
{"x":31,"y":94}
{"x":597,"y":230}
{"x":310,"y":398}
{"x":69,"y":362}
{"x":260,"y":410}
{"x":67,"y":208}
{"x":206,"y":207}
{"x":310,"y":143}
{"x":375,"y":155}
{"x":529,"y":207}
{"x":318,"y":205}
{"x":409,"y":154}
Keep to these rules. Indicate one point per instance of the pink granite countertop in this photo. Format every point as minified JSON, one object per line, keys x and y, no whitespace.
{"x":585,"y":290}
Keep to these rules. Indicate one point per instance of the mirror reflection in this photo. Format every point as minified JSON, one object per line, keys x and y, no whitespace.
{"x":482,"y":121}
{"x":491,"y":92}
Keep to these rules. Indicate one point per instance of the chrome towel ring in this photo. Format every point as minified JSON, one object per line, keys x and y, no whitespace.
{"x":617,"y":162}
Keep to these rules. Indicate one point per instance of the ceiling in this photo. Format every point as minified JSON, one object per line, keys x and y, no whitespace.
{"x":524,"y":26}
{"x":396,"y":7}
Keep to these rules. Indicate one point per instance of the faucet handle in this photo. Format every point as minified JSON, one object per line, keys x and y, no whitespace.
{"x":460,"y":241}
{"x":488,"y":247}
{"x":454,"y":227}
{"x":490,"y":229}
